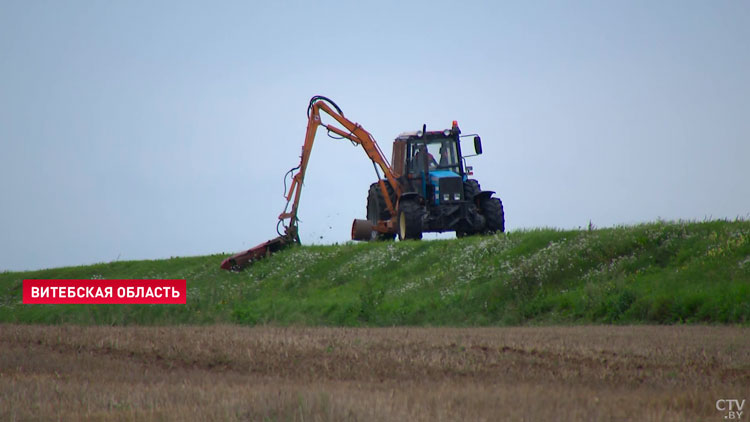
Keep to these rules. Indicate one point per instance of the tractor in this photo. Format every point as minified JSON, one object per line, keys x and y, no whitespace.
{"x":426,"y":188}
{"x":437,"y":194}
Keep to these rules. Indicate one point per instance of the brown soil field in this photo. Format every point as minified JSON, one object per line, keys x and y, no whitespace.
{"x":227,"y":373}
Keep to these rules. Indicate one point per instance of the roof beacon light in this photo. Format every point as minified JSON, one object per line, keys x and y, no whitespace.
{"x":455,"y":123}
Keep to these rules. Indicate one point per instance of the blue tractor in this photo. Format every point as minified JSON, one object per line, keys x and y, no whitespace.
{"x":435,"y":193}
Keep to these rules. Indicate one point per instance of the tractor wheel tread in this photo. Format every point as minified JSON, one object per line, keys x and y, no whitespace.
{"x":377,"y":208}
{"x":471,"y":189}
{"x":492,"y":209}
{"x":410,"y":220}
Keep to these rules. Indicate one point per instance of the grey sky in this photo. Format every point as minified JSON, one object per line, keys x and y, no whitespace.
{"x":138,"y":129}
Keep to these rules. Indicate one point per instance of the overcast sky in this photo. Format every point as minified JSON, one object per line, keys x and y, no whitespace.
{"x":144,"y":130}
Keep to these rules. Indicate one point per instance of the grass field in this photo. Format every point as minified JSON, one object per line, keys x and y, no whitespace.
{"x":227,"y":373}
{"x":662,"y":272}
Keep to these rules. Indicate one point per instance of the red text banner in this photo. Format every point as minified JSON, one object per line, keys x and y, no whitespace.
{"x":104,"y":291}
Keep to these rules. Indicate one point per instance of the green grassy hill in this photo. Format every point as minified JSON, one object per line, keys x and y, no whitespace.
{"x":662,"y":272}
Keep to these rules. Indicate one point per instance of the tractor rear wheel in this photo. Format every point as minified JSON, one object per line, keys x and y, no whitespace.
{"x":378,"y":210}
{"x":409,"y":220}
{"x":492,"y":209}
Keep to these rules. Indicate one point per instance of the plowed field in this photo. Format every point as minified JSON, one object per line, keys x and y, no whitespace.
{"x":372,"y":374}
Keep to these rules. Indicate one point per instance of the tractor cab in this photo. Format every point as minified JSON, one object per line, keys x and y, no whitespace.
{"x":431,"y":163}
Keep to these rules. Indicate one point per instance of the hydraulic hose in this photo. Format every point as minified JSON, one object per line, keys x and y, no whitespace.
{"x":317,"y":98}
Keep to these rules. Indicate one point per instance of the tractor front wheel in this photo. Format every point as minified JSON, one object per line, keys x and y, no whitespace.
{"x":409,"y":220}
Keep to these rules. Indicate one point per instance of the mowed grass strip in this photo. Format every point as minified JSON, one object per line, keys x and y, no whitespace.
{"x":661,"y":272}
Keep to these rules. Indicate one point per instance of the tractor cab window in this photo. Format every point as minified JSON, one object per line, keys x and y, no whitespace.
{"x":422,"y":157}
{"x":444,"y":152}
{"x":436,"y":155}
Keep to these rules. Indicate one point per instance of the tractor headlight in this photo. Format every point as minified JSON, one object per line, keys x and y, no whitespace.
{"x":446,"y":197}
{"x":456,"y":196}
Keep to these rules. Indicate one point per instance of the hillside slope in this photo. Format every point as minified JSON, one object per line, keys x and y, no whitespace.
{"x":663,"y":272}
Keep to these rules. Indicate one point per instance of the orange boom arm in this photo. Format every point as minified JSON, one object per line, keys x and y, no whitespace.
{"x":288,"y":218}
{"x":353,"y":132}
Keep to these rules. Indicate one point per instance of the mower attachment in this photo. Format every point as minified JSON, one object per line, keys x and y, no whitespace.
{"x":239,"y":261}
